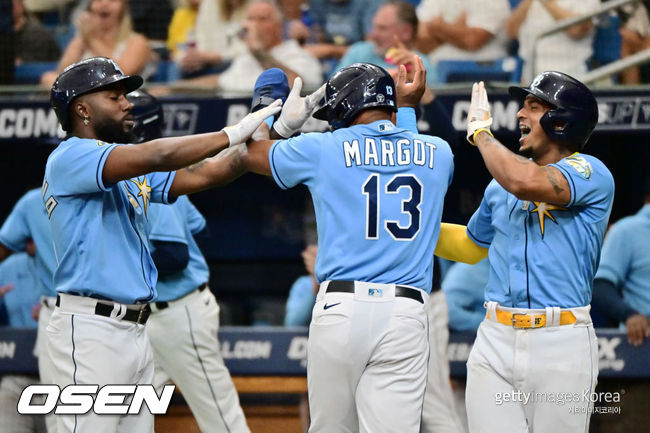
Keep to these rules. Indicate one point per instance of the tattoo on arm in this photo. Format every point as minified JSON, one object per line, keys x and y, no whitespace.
{"x":194,"y":167}
{"x":552,"y":174}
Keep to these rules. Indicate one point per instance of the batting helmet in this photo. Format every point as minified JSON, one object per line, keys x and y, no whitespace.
{"x":147,"y":116}
{"x":355,"y":88}
{"x":84,"y":77}
{"x":574,"y":112}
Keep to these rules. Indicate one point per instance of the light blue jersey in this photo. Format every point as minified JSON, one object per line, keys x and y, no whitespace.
{"x":28,"y":220}
{"x":100,"y":231}
{"x":20,"y":270}
{"x":300,"y":302}
{"x":545,"y":255}
{"x":178,"y":223}
{"x":625,"y":259}
{"x":378,"y":192}
{"x":464,"y":286}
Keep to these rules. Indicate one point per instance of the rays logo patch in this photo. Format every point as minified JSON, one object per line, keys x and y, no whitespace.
{"x":580,"y":165}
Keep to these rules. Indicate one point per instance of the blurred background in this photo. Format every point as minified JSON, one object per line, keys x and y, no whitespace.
{"x":201,"y":59}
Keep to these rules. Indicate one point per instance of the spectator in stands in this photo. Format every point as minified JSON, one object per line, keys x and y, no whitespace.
{"x":151,"y":17}
{"x":463,"y":30}
{"x":266,"y":48}
{"x":302,"y":295}
{"x":390,"y":41}
{"x":464,"y":285}
{"x":635,"y":36}
{"x":20,"y":295}
{"x":204,"y":33}
{"x":34,"y":43}
{"x":622,"y":282}
{"x":104,"y":29}
{"x":565,"y":51}
{"x":336,"y":25}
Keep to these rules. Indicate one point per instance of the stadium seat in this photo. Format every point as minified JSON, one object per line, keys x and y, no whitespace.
{"x":454,"y":71}
{"x":30,"y":72}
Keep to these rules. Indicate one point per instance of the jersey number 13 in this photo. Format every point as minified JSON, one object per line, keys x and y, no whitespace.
{"x":410,"y":206}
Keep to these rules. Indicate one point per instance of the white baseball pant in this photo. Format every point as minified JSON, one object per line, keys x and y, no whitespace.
{"x":11,"y":387}
{"x":366,"y":361}
{"x":186,"y":350}
{"x":532,"y":380}
{"x":90,"y":349}
{"x":45,"y":364}
{"x":439,"y":412}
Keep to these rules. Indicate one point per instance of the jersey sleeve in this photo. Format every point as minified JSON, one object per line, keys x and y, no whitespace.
{"x":195,"y":221}
{"x":479,"y":228}
{"x":78,"y":170}
{"x":295,"y":160}
{"x":616,"y":254}
{"x":161,"y":183}
{"x":15,"y":232}
{"x":590,"y":182}
{"x":166,"y":224}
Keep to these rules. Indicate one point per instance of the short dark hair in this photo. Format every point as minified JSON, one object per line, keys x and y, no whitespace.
{"x":406,"y":14}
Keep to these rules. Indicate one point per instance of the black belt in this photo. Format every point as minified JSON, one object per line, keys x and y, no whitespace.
{"x":164,"y":304}
{"x":400,"y":291}
{"x":138,"y":316}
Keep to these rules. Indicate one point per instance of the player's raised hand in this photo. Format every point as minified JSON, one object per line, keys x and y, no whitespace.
{"x":410,"y":93}
{"x":242,"y":131}
{"x":296,"y":109}
{"x":478,"y":116}
{"x":5,"y":289}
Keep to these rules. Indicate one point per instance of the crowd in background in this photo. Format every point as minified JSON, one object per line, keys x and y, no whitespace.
{"x":224,"y":44}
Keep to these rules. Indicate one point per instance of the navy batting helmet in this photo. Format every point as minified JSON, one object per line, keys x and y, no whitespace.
{"x":84,"y":77}
{"x":574,"y":112}
{"x":147,"y":116}
{"x":355,"y":88}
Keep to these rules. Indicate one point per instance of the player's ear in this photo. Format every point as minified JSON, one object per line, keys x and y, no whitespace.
{"x":80,"y":109}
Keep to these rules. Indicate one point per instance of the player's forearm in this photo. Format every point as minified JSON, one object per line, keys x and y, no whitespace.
{"x":178,"y":152}
{"x":211,"y":172}
{"x":520,"y":176}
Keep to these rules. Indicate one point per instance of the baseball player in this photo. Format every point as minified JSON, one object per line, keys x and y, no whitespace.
{"x":28,"y":222}
{"x":184,"y":319}
{"x":533,"y":366}
{"x":19,"y":292}
{"x":377,"y":191}
{"x":97,"y":194}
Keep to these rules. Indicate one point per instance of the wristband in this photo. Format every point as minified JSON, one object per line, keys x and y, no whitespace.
{"x":481,"y":130}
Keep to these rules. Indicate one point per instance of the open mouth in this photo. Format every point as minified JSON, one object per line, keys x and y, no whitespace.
{"x":525,"y":130}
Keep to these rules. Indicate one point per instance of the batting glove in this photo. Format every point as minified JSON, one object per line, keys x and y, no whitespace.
{"x":296,"y":110}
{"x":478,"y":117}
{"x":242,"y":131}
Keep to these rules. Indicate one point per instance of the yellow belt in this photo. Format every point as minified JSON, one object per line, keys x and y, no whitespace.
{"x":523,"y":320}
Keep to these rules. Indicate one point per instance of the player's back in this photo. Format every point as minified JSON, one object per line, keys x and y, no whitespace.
{"x":378,"y":193}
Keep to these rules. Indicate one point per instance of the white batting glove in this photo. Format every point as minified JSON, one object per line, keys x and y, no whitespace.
{"x":296,"y":110}
{"x":478,"y":116}
{"x":242,"y":131}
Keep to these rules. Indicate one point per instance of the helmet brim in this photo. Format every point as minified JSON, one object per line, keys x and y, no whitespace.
{"x":519,"y":93}
{"x":321,"y":113}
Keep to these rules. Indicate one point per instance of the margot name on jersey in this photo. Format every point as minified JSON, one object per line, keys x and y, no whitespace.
{"x":388,"y":153}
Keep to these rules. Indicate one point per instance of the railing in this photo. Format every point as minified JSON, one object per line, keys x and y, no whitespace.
{"x":569,"y":22}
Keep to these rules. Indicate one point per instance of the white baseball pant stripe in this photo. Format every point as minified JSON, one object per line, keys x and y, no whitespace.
{"x":98,"y":350}
{"x":186,"y":350}
{"x":366,"y":361}
{"x":439,"y":412}
{"x":45,"y":364}
{"x":532,"y":380}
